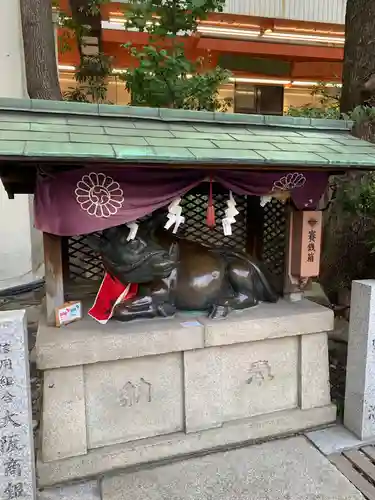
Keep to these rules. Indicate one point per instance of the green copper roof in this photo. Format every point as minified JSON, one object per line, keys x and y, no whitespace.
{"x":38,"y":129}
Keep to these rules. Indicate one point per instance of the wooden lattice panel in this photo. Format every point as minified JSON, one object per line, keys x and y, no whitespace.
{"x":194,"y":209}
{"x":274,"y":233}
{"x":83,"y":262}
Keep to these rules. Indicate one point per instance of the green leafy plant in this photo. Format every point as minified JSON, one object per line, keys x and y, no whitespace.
{"x":73,"y":30}
{"x":163,"y":75}
{"x":309,"y":111}
{"x":91,"y":75}
{"x":329,"y":96}
{"x":93,"y":7}
{"x":356,"y":197}
{"x":329,"y":99}
{"x":93,"y":71}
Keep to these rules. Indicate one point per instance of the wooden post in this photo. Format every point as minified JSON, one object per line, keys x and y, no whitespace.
{"x":53,"y":275}
{"x":254,"y":227}
{"x":292,"y":289}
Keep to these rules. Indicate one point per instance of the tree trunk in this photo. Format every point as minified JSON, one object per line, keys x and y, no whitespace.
{"x":82,"y":17}
{"x":39,"y":45}
{"x":359,"y":54}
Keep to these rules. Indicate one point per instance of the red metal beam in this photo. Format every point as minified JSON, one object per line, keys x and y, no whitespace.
{"x":273,"y":49}
{"x":285,"y":50}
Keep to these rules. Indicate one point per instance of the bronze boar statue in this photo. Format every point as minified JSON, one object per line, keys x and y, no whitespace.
{"x":177,"y":274}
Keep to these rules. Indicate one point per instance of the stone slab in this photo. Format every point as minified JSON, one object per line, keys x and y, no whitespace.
{"x":314,"y":371}
{"x":359,"y":414}
{"x":283,"y":319}
{"x":240,"y":381}
{"x":64,"y":417}
{"x":17,"y":465}
{"x":336,"y":439}
{"x":279,"y":470}
{"x":87,"y":341}
{"x":203,"y":385}
{"x":89,"y":490}
{"x":133,"y":399}
{"x":110,"y":458}
{"x":259,"y":378}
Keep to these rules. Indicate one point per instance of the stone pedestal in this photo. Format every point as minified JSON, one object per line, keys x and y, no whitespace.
{"x":360,"y":372}
{"x":128,"y":394}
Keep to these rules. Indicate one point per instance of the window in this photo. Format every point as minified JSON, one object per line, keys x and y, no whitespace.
{"x":258,"y":99}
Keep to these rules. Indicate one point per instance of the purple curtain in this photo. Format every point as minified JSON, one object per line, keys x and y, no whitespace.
{"x":92,"y":199}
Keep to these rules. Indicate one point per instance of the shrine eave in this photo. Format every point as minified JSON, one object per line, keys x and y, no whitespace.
{"x":56,"y":131}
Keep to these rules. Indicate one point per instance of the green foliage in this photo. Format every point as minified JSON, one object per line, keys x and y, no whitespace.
{"x":163,"y":76}
{"x":309,"y":111}
{"x":93,"y":7}
{"x":91,"y":75}
{"x":362,"y":114}
{"x":329,"y":98}
{"x":202,"y":91}
{"x":73,"y":30}
{"x":358,"y":198}
{"x":161,"y":18}
{"x":76,"y":94}
{"x":355,"y":195}
{"x":93,"y":71}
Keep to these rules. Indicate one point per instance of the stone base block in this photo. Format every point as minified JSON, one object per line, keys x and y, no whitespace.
{"x":176,"y":387}
{"x":180,"y":445}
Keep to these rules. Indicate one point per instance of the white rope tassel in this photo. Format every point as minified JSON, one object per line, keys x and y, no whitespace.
{"x":174,"y":216}
{"x":133,"y":230}
{"x":264,"y":200}
{"x":230,"y":215}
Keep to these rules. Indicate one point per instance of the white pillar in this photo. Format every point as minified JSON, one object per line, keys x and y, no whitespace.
{"x":12,"y":61}
{"x":19,"y":240}
{"x":360,"y":372}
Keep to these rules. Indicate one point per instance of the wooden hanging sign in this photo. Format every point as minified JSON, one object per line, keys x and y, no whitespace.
{"x":306,"y":244}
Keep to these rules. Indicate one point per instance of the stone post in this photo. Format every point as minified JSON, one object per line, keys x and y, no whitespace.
{"x":360,"y":373}
{"x":17,"y":470}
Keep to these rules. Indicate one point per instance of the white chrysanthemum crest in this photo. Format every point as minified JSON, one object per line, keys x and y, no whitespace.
{"x":99,"y":195}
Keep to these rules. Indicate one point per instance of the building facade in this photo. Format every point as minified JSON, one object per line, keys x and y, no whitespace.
{"x":277,"y":50}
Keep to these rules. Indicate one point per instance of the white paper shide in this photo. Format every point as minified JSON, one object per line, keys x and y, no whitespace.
{"x":175,"y":218}
{"x":230,"y":215}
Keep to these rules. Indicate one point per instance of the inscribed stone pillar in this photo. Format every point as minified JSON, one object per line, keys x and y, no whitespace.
{"x":360,"y":375}
{"x":17,"y":471}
